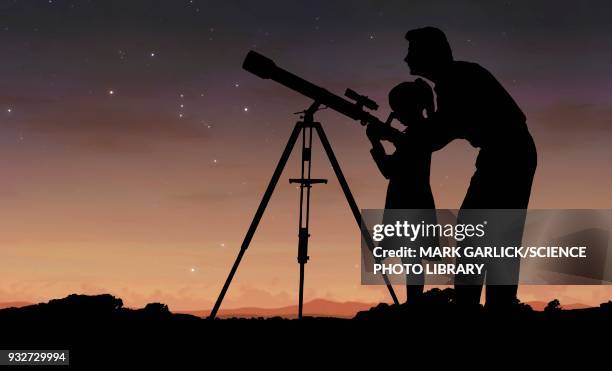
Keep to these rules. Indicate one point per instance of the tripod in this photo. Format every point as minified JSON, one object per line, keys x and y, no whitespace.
{"x":304,"y":127}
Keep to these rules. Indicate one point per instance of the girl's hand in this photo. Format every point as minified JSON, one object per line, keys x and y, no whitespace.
{"x":381,"y":132}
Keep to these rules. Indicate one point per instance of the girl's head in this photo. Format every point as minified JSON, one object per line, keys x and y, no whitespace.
{"x":409,"y":100}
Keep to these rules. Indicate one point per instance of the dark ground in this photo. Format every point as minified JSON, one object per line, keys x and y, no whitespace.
{"x":99,"y":331}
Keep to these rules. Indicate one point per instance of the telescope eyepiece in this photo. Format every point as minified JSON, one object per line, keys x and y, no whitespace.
{"x":361,"y":100}
{"x":258,"y":65}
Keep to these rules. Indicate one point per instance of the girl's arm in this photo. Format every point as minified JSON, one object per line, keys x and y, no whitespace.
{"x":378,"y":152}
{"x":381,"y":159}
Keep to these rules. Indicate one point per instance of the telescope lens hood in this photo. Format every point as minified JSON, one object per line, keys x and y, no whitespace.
{"x":258,"y":65}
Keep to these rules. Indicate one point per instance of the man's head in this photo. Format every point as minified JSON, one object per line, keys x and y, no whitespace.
{"x":429,"y":52}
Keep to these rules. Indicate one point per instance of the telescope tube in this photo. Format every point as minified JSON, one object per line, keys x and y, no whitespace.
{"x":265,"y":68}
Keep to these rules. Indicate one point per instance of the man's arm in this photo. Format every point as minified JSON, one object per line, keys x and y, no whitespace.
{"x":436,"y":131}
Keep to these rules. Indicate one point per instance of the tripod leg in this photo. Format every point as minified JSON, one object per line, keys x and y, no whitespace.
{"x":258,"y":214}
{"x":349,"y":197}
{"x":302,"y":260}
{"x":301,"y":297}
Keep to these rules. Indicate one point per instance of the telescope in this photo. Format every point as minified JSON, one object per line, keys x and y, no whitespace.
{"x":265,"y":68}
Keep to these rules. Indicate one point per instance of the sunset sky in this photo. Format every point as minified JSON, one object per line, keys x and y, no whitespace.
{"x":134,"y":149}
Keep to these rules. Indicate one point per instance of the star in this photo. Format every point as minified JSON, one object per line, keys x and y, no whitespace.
{"x":193,"y":270}
{"x":152,"y":54}
{"x":246,"y":109}
{"x":9,"y":110}
{"x":111,"y":92}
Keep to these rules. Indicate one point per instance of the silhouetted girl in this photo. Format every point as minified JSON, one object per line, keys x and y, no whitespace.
{"x":407,"y":168}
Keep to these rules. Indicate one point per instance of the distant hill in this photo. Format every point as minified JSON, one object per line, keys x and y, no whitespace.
{"x":325,"y":308}
{"x":436,"y":305}
{"x":14,"y":304}
{"x":314,"y":308}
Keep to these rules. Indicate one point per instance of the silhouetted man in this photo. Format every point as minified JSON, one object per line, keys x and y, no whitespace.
{"x":473,"y":105}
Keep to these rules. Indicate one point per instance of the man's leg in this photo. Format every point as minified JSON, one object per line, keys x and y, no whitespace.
{"x":502,"y":284}
{"x":468,"y":289}
{"x":500,"y":297}
{"x":414,"y":283}
{"x":414,"y":293}
{"x":506,"y":229}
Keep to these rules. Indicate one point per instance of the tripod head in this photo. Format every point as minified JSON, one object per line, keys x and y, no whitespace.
{"x":307,"y":115}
